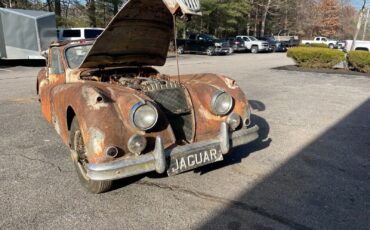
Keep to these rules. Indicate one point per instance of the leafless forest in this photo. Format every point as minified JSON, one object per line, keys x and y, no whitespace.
{"x":307,"y":18}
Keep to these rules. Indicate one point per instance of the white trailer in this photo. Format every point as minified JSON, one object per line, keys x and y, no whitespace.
{"x":24,"y":34}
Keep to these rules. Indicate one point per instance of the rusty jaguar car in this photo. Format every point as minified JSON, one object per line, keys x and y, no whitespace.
{"x":120,"y":117}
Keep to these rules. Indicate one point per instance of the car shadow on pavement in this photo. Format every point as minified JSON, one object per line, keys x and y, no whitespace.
{"x":325,"y":185}
{"x":238,"y":154}
{"x":26,"y":62}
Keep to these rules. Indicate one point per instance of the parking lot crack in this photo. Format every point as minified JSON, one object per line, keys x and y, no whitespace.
{"x":233,"y":203}
{"x":39,"y":160}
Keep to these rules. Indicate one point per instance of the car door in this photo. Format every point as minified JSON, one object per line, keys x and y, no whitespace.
{"x":203,"y":43}
{"x":55,"y":75}
{"x":190,"y":43}
{"x":247,"y":42}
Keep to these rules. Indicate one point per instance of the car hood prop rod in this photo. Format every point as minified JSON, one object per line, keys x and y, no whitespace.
{"x":175,"y":43}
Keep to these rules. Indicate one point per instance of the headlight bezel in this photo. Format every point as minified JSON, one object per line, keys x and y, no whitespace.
{"x":214,"y":101}
{"x":134,"y":110}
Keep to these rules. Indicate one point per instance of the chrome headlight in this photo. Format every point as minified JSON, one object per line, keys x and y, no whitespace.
{"x":144,"y":116}
{"x":222,"y":103}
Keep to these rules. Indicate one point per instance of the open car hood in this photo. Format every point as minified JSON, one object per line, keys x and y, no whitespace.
{"x":138,"y":35}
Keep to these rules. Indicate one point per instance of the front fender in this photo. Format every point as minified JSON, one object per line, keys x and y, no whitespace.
{"x":201,"y":88}
{"x":102,"y":111}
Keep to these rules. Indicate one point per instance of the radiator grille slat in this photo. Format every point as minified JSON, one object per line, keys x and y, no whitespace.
{"x":171,"y":98}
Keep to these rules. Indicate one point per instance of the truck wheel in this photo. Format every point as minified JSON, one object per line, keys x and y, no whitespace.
{"x":331,"y":46}
{"x":254,"y":49}
{"x":78,"y":154}
{"x":180,"y":50}
{"x":210,"y":51}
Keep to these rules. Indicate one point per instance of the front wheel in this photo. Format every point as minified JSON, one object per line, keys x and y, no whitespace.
{"x":78,"y":154}
{"x":210,"y":51}
{"x":254,"y":50}
{"x":331,"y":46}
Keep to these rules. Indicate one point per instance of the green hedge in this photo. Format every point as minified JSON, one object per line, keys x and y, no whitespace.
{"x":311,"y":57}
{"x":317,"y":45}
{"x":360,"y":60}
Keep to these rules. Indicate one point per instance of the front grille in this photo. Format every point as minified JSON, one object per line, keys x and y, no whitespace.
{"x":171,"y":98}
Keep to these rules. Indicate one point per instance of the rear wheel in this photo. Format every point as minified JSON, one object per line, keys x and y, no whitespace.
{"x":78,"y":154}
{"x":180,"y":50}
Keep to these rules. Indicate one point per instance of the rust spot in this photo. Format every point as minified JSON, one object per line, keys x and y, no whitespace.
{"x":93,"y":97}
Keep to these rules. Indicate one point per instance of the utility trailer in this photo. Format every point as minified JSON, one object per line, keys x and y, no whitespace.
{"x":24,"y":34}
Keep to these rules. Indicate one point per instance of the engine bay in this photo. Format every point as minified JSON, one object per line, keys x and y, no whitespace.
{"x":143,"y":79}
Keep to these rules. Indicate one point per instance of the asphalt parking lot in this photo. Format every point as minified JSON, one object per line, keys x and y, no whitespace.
{"x":309,"y":170}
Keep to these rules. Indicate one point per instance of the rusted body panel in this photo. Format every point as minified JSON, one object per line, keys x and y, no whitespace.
{"x":104,"y":100}
{"x":104,"y":122}
{"x":201,"y":88}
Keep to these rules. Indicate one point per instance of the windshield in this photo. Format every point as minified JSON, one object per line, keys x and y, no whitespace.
{"x":75,"y":55}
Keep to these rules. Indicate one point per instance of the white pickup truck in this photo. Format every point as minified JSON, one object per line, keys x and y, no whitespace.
{"x":322,"y":40}
{"x":359,"y":45}
{"x":254,"y":45}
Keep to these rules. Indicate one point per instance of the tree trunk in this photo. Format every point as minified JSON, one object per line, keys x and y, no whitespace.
{"x":365,"y":26}
{"x":50,"y":5}
{"x":358,"y":27}
{"x":286,"y":16}
{"x":249,"y":17}
{"x":92,"y":13}
{"x":115,"y":6}
{"x":264,"y":16}
{"x":58,"y":8}
{"x":255,"y":22}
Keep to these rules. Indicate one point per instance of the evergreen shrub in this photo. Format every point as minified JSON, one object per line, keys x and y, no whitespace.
{"x":313,"y":57}
{"x":359,"y":60}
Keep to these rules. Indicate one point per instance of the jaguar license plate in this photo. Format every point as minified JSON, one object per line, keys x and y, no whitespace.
{"x":188,"y":161}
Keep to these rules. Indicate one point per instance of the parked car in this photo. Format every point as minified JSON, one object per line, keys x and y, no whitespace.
{"x":322,"y":40}
{"x":289,"y":38}
{"x":120,"y":117}
{"x":359,"y":45}
{"x":237,"y":44}
{"x":78,"y":33}
{"x":274,"y":45}
{"x":203,"y":44}
{"x":341,"y":45}
{"x":254,"y":45}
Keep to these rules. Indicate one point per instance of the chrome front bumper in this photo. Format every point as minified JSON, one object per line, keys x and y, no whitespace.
{"x":156,"y":160}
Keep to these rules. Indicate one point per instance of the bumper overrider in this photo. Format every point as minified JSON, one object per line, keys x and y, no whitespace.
{"x":160,"y":159}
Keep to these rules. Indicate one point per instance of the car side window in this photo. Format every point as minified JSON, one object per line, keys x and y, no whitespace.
{"x":56,"y":66}
{"x":71,"y":33}
{"x":324,"y":39}
{"x":317,"y":39}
